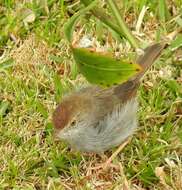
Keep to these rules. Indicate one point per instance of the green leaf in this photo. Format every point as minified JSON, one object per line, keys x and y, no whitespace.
{"x":103,"y":69}
{"x":69,"y":26}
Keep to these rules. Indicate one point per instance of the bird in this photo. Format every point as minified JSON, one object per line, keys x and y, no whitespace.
{"x":95,"y":119}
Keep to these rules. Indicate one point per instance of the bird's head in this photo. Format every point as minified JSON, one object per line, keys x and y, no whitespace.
{"x":70,"y":114}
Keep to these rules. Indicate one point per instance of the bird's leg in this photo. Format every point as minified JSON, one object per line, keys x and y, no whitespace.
{"x":108,"y":163}
{"x":119,"y":149}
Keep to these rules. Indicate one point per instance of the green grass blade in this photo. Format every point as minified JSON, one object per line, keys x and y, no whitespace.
{"x":69,"y":26}
{"x":163,"y":11}
{"x":177,"y":42}
{"x":6,"y":64}
{"x":41,"y":109}
{"x":58,"y":87}
{"x":3,"y":107}
{"x":125,"y":30}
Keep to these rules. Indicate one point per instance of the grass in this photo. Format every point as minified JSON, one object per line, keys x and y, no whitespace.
{"x":36,"y":70}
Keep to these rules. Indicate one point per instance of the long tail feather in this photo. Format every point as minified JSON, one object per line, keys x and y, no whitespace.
{"x":151,"y":53}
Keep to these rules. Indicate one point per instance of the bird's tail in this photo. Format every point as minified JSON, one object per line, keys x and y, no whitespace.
{"x":128,"y":89}
{"x":151,"y":53}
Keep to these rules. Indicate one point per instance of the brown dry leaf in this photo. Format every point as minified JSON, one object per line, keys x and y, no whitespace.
{"x":159,"y":172}
{"x":28,"y":15}
{"x":170,"y":163}
{"x":44,"y":5}
{"x":136,"y":187}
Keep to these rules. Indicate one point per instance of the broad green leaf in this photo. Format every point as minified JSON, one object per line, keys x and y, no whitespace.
{"x":69,"y":26}
{"x":103,"y":69}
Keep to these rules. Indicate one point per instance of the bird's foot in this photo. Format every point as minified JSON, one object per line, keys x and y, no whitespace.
{"x":108,"y":163}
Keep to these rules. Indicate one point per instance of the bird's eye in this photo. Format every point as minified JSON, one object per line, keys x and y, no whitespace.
{"x":73,"y":122}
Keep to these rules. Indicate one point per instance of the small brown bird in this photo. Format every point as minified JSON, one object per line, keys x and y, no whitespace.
{"x":94,"y":119}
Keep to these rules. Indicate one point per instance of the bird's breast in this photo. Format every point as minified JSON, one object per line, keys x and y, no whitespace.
{"x":109,"y":132}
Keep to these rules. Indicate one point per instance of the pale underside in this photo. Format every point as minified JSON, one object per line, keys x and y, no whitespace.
{"x":111,"y":131}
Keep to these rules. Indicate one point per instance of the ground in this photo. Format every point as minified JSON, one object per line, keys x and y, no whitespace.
{"x":37,"y":69}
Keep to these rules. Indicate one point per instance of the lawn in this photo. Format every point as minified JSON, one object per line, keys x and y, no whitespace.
{"x":37,"y":70}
